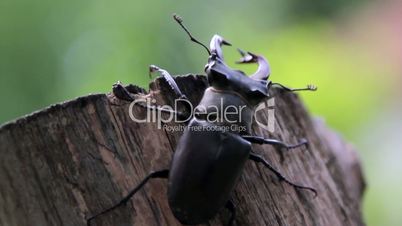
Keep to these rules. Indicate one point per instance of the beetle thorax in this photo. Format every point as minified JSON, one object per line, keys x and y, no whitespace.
{"x":225,"y":108}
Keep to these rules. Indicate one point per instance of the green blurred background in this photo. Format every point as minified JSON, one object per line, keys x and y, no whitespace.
{"x":51,"y":51}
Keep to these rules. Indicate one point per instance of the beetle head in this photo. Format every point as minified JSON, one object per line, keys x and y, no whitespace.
{"x":222,"y":77}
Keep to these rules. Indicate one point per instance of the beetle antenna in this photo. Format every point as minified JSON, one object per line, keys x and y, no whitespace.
{"x":179,"y":20}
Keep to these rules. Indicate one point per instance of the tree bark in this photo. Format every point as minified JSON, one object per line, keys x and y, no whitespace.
{"x":62,"y":164}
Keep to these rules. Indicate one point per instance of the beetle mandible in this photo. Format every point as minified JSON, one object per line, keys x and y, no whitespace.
{"x":203,"y":174}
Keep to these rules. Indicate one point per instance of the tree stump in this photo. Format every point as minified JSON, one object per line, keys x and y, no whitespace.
{"x":62,"y":164}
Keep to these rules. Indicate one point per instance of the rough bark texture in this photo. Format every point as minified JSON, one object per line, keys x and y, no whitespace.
{"x":64,"y":163}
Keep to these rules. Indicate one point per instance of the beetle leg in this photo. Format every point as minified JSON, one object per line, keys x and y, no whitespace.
{"x":308,"y":88}
{"x":169,"y":79}
{"x":260,"y":159}
{"x":156,"y":174}
{"x":232,"y":209}
{"x":261,"y":140}
{"x":122,"y":93}
{"x":172,"y":83}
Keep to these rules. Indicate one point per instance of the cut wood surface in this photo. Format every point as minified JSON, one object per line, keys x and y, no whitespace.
{"x":62,"y":164}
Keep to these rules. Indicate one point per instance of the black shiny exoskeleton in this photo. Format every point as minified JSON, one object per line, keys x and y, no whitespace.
{"x":208,"y":160}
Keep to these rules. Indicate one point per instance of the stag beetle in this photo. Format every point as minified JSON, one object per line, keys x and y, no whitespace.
{"x":207,"y":162}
